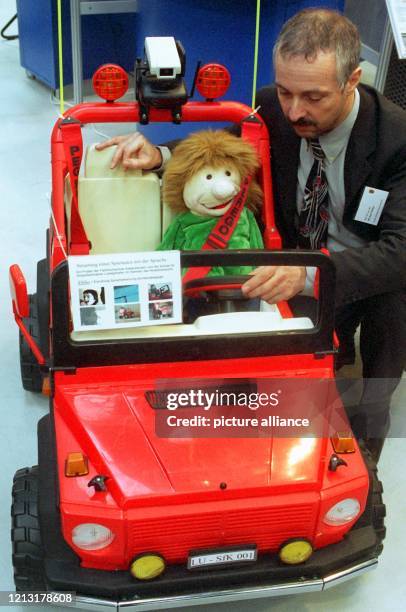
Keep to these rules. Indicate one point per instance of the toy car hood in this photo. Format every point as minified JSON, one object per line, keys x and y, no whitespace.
{"x":115,"y":428}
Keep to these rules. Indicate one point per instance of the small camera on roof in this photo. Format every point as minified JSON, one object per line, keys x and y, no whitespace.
{"x":159,"y":77}
{"x":163,"y":57}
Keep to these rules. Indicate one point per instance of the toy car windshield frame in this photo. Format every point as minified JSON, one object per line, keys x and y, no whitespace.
{"x":68,"y":353}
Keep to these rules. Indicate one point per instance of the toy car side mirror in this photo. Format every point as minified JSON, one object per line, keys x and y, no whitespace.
{"x":21,"y":309}
{"x":18,"y":290}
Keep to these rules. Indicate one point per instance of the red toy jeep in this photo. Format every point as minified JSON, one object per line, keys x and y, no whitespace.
{"x":116,"y":511}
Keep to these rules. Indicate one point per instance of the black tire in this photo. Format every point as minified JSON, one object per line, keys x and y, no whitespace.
{"x":375,"y":510}
{"x":31,"y":375}
{"x":28,"y":553}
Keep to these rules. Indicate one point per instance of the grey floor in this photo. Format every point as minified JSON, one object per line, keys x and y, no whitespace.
{"x":27,"y":115}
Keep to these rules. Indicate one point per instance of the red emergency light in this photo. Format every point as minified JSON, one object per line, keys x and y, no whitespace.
{"x":110,"y":82}
{"x":213,"y":81}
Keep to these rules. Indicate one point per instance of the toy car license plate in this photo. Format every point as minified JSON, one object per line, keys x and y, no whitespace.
{"x":220,"y":557}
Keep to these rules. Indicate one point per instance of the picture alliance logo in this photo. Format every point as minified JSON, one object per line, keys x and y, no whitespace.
{"x":205,"y":400}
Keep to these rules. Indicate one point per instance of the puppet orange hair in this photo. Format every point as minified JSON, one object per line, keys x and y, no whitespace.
{"x":209,"y":148}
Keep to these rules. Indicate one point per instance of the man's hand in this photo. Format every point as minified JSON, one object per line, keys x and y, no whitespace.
{"x":275,"y":283}
{"x":134,"y":152}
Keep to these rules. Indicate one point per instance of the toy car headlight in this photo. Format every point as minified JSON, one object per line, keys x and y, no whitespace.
{"x":342,"y":512}
{"x":91,"y":536}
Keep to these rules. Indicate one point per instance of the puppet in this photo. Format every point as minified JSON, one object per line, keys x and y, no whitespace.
{"x":200,"y":181}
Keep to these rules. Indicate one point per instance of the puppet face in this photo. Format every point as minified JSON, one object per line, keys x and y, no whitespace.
{"x":210,"y":191}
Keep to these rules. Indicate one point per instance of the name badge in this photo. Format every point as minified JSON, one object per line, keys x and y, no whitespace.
{"x":371,"y":205}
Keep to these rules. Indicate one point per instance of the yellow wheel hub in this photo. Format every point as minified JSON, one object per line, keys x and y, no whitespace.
{"x":296,"y":551}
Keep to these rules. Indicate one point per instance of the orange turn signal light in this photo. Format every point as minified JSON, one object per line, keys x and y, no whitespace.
{"x":76,"y":465}
{"x":46,"y":386}
{"x":343,"y":442}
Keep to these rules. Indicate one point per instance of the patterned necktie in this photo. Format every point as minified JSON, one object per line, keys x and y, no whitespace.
{"x":313,"y":218}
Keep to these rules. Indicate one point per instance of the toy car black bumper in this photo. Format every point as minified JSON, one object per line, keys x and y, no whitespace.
{"x":212,"y":597}
{"x":95,"y":589}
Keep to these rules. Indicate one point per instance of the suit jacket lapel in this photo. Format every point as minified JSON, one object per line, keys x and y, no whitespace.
{"x":361,"y":145}
{"x":286,"y":164}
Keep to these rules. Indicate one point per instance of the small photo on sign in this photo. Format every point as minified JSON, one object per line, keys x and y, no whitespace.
{"x":160,"y":310}
{"x":127,"y":313}
{"x":160,"y":291}
{"x":92,"y":296}
{"x":92,"y":302}
{"x":125,"y":294}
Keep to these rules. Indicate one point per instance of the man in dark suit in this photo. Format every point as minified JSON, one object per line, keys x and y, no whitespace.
{"x":338,"y":152}
{"x":317,"y":98}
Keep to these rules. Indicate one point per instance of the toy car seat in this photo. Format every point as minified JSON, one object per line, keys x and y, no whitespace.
{"x":120,"y":210}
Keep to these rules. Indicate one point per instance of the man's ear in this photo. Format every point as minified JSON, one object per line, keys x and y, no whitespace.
{"x":353,"y":80}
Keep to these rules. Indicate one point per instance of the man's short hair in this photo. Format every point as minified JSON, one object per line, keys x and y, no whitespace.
{"x":313,"y":30}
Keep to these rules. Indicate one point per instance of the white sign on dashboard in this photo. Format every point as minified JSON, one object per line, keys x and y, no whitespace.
{"x":125,"y":290}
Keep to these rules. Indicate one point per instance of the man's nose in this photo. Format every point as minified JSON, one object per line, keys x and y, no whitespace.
{"x":296,"y":110}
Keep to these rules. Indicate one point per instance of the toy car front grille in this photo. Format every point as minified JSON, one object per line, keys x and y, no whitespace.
{"x":158,"y":399}
{"x":267,"y":527}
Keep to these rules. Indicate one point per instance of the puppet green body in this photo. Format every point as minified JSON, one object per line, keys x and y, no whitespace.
{"x":188,"y":232}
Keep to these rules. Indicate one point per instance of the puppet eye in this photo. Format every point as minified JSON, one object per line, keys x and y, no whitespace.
{"x":209,"y":176}
{"x":228,"y":173}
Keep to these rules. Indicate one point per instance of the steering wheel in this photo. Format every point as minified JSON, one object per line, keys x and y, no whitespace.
{"x":217,"y":287}
{"x":223,"y":293}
